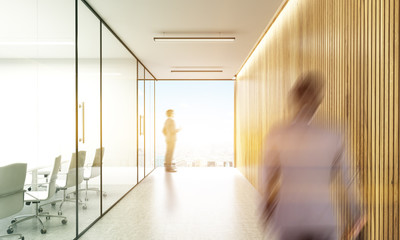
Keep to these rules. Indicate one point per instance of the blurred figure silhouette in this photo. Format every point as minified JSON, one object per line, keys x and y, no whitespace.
{"x":170,"y":131}
{"x":301,"y":160}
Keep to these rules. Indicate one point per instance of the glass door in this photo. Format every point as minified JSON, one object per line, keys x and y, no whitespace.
{"x":119,"y":126}
{"x":149,"y":122}
{"x":141,"y":121}
{"x":89,"y":152}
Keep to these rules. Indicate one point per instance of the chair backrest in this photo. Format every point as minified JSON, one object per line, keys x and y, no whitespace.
{"x":12,"y":179}
{"x":71,"y":175}
{"x":95,"y":170}
{"x":51,"y":190}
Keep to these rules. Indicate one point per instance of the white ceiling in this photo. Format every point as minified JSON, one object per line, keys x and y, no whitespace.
{"x":138,"y":21}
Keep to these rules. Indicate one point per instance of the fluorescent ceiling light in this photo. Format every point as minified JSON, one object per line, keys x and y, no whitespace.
{"x":195,"y":70}
{"x":194,"y":39}
{"x":35,"y":43}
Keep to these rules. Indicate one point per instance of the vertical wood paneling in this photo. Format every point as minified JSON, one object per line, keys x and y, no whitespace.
{"x":370,"y":190}
{"x":355,"y":43}
{"x":396,"y":112}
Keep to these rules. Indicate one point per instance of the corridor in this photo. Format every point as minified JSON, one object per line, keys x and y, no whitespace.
{"x":193,"y":203}
{"x":288,"y":100}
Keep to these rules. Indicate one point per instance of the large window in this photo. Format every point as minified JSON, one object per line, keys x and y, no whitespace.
{"x":204,"y":112}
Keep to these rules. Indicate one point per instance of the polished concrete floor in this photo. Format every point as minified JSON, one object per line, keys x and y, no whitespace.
{"x":55,"y":230}
{"x":193,"y":203}
{"x":116,"y":182}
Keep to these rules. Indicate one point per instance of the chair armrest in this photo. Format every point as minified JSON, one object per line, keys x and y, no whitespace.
{"x":32,"y":196}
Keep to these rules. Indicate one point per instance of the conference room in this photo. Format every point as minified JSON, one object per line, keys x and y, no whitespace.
{"x":77,"y":125}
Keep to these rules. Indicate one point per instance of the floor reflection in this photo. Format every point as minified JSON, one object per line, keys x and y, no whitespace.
{"x":170,"y":192}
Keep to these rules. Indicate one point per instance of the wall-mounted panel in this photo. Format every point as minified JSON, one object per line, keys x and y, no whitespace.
{"x":355,"y":44}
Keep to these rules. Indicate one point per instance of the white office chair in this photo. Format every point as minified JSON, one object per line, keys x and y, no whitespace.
{"x":70,"y":181}
{"x":94,"y":172}
{"x":12,"y":179}
{"x":36,"y":197}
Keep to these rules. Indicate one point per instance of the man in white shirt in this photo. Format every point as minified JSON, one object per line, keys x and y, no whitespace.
{"x":170,"y":131}
{"x":301,"y":160}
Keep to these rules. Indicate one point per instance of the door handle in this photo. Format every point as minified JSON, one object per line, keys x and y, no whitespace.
{"x":82,"y":106}
{"x":140,"y":129}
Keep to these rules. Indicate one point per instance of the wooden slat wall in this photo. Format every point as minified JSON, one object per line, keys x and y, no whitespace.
{"x":355,"y":43}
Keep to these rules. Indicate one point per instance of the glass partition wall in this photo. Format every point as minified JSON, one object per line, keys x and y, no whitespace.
{"x":88,"y":115}
{"x":72,"y":94}
{"x":141,"y":120}
{"x":119,"y":119}
{"x":149,"y":122}
{"x":38,"y":108}
{"x":146,"y":114}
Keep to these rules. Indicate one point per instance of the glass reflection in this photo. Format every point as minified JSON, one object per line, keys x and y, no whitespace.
{"x":37,"y":98}
{"x":41,"y":116}
{"x":141,"y":121}
{"x":88,"y":116}
{"x":119,"y":119}
{"x":149,"y":123}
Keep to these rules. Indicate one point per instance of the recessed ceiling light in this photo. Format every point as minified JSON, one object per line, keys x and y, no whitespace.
{"x":194,"y":39}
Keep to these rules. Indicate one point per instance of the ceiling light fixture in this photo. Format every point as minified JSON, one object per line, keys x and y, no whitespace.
{"x":196,"y":70}
{"x":194,"y":39}
{"x":35,"y":43}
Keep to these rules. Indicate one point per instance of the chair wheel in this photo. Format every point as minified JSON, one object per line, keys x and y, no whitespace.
{"x":53,"y":204}
{"x":10,"y":230}
{"x":59,"y":212}
{"x":67,"y":197}
{"x":40,"y":209}
{"x":64,"y":221}
{"x":29,"y":188}
{"x":47,"y":218}
{"x":13,"y":221}
{"x":43,"y":231}
{"x":22,"y":238}
{"x":84,"y":206}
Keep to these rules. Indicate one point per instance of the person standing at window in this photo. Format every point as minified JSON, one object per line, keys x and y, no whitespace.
{"x":170,"y":132}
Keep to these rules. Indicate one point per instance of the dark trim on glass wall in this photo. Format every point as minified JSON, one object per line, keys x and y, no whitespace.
{"x":144,"y":123}
{"x":137,"y":122}
{"x":103,"y":23}
{"x":76,"y":119}
{"x":115,"y":35}
{"x":154,"y":139}
{"x":101,"y":118}
{"x":234,"y":123}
